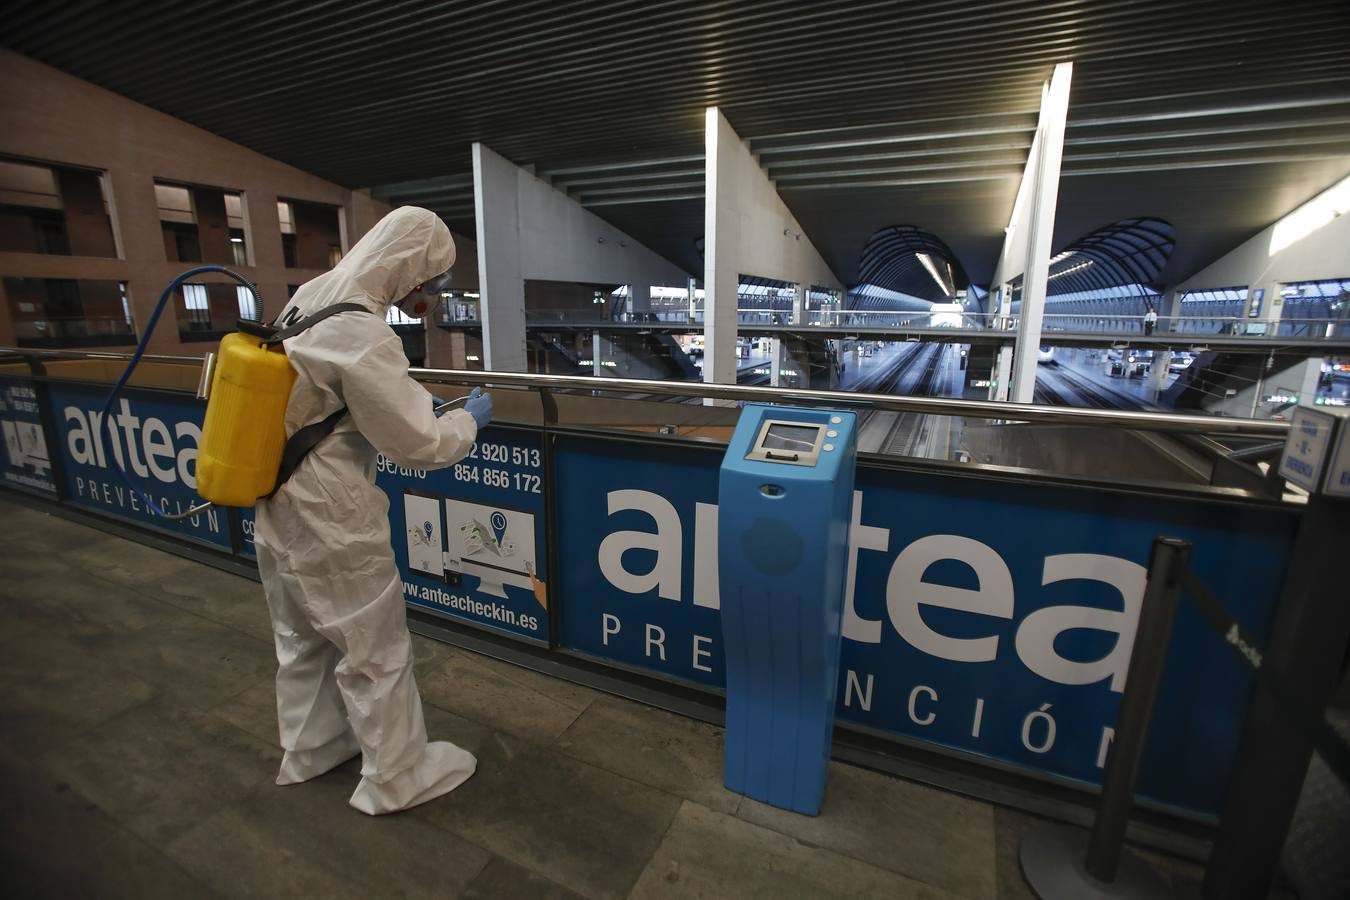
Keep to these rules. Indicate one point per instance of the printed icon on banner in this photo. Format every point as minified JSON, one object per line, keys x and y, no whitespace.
{"x":422,"y":515}
{"x":495,"y":545}
{"x":26,"y":445}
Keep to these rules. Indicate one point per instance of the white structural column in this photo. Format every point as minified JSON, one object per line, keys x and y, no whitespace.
{"x":500,"y":283}
{"x":529,"y":230}
{"x":1043,"y":196}
{"x":721,"y":246}
{"x":748,"y":230}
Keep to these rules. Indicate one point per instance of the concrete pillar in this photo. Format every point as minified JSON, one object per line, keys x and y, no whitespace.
{"x":693,"y":299}
{"x":798,"y":304}
{"x":777,"y":362}
{"x":1312,"y":375}
{"x":721,"y":230}
{"x":213,"y":226}
{"x":502,"y":304}
{"x":1000,"y":384}
{"x":639,"y":298}
{"x":1268,"y":311}
{"x":87,"y":225}
{"x":1157,"y":373}
{"x":1169,"y":308}
{"x":1044,"y":197}
{"x":8,"y":338}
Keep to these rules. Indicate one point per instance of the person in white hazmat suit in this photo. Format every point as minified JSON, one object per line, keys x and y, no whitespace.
{"x":345,"y":661}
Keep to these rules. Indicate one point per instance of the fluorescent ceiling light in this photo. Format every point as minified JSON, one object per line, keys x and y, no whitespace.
{"x":946,"y":287}
{"x":1077,"y":268}
{"x":1311,"y":216}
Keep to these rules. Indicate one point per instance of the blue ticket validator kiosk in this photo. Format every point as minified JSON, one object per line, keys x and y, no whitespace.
{"x":784,"y":507}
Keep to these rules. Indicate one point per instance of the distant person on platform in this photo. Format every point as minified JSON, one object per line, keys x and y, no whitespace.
{"x":345,"y":659}
{"x":1150,"y":319}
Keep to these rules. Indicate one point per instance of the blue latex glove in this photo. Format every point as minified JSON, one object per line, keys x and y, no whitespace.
{"x":436,"y":404}
{"x":479,"y":405}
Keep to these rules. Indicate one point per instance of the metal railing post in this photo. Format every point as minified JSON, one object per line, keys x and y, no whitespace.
{"x":1066,"y":864}
{"x":1152,"y":637}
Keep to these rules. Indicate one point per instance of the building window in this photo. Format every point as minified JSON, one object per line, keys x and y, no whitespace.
{"x":201,"y":224}
{"x":396,"y":316}
{"x":61,"y":312}
{"x":197,"y":302}
{"x":248,"y":304}
{"x":311,"y":234}
{"x":54,"y":210}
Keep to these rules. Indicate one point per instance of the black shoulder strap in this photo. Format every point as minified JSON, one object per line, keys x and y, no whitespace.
{"x":299,"y":444}
{"x":310,"y":321}
{"x":306,"y":439}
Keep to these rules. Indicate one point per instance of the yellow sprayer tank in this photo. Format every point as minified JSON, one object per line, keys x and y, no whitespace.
{"x":245,"y":431}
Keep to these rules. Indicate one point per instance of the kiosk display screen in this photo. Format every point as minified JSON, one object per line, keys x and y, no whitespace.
{"x":799,"y":438}
{"x":794,"y":443}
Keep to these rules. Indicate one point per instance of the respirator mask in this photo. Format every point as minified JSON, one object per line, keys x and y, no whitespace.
{"x":421,"y":301}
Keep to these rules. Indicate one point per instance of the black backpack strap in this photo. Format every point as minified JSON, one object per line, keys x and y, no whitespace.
{"x":309,"y":321}
{"x":299,"y":444}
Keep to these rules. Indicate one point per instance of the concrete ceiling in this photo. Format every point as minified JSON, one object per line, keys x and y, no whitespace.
{"x":1217,"y":117}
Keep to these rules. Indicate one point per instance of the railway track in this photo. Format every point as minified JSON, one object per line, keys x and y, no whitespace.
{"x":1062,"y":386}
{"x":918,"y":372}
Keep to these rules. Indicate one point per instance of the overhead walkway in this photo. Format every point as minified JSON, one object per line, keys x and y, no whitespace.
{"x":1254,"y":341}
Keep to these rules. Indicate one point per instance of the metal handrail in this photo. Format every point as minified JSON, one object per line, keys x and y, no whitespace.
{"x":35,"y":353}
{"x":938,"y":406}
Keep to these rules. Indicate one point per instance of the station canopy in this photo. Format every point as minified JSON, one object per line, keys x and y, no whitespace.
{"x":1216,"y":117}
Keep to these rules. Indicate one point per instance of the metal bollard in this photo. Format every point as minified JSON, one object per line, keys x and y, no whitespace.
{"x":1061,"y":862}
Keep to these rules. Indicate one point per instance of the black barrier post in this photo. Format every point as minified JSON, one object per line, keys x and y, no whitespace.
{"x":1053,"y":860}
{"x":1152,"y":636}
{"x":1305,"y":653}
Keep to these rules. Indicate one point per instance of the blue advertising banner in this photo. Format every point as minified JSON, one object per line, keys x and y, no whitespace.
{"x":470,"y":539}
{"x":986,"y":616}
{"x":156,"y":443}
{"x":27,"y":461}
{"x":244,"y":522}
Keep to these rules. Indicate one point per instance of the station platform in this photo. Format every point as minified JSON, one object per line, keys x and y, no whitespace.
{"x":138,"y":742}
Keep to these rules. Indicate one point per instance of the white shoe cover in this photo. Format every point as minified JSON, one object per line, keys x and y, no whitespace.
{"x":302,"y":765}
{"x":442,"y":768}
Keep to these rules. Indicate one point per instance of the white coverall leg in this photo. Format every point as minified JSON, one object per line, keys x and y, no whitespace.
{"x":345,"y":679}
{"x":311,"y":717}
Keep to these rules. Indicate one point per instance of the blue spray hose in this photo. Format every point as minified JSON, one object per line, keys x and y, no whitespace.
{"x":131,"y":367}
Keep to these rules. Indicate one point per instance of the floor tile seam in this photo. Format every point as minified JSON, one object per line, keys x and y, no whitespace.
{"x":490,"y":726}
{"x":875,"y":867}
{"x":468,"y":882}
{"x":82,"y":731}
{"x":562,"y":751}
{"x":158,"y":851}
{"x":629,"y":782}
{"x":525,"y":687}
{"x":271,"y":680}
{"x":156,"y":596}
{"x":659,"y":844}
{"x":856,"y":858}
{"x":155,"y":703}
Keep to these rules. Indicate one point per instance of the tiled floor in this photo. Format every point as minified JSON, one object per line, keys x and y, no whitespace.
{"x":138,"y":749}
